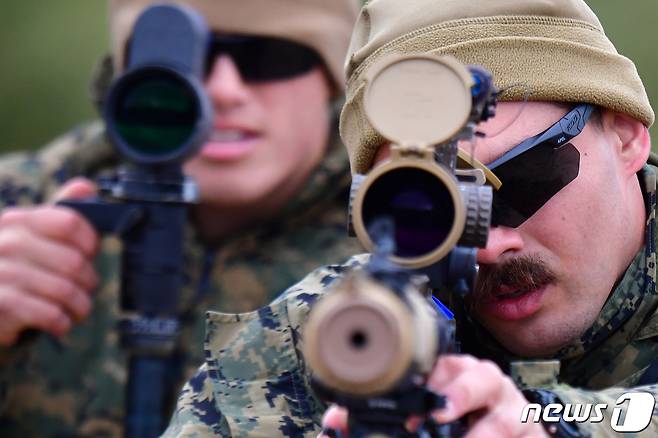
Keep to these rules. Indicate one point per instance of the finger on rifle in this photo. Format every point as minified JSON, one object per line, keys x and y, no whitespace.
{"x":75,"y":188}
{"x":59,"y":290}
{"x":478,"y":385}
{"x":335,"y":418}
{"x":58,"y":223}
{"x":18,"y":243}
{"x":413,"y":423}
{"x":447,"y":368}
{"x":503,"y":418}
{"x":21,"y":311}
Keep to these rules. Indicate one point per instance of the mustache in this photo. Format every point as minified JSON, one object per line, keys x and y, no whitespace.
{"x":526,"y":272}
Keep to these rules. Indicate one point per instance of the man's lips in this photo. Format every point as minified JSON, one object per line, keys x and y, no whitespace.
{"x":511,"y":304}
{"x":505,"y":291}
{"x":229,"y":144}
{"x":514,"y":289}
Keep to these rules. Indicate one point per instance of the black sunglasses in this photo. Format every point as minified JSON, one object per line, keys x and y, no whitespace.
{"x":536,"y":169}
{"x":258,"y":58}
{"x":261,"y":59}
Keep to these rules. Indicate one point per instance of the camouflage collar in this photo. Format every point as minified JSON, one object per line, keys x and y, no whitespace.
{"x":633,"y":301}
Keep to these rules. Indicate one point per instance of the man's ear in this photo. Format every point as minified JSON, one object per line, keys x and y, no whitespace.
{"x":632,"y":139}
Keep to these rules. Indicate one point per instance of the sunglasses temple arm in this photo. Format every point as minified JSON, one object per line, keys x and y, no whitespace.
{"x":529,"y":143}
{"x":556,"y":135}
{"x":587,"y":112}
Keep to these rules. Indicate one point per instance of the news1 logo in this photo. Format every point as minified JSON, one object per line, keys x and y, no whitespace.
{"x":636,"y":418}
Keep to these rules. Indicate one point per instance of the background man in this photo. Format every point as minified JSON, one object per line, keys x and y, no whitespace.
{"x":573,"y":281}
{"x":272,"y":179}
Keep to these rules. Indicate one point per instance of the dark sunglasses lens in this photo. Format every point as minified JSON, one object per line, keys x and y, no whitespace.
{"x":530,"y":180}
{"x":263,"y":59}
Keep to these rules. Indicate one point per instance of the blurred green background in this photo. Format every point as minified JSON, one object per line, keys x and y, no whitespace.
{"x":49,"y":50}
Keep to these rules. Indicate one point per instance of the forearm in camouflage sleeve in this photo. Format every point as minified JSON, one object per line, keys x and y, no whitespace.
{"x":20,"y":184}
{"x":10,"y":359}
{"x":608,"y":397}
{"x":29,"y":178}
{"x":197,"y":414}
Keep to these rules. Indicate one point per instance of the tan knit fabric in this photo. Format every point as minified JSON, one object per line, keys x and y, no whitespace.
{"x":323,"y":25}
{"x":556,"y":48}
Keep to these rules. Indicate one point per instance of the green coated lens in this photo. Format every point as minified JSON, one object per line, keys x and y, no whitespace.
{"x":156,"y":113}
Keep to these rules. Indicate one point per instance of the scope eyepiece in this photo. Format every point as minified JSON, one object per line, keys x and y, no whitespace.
{"x":424,"y":202}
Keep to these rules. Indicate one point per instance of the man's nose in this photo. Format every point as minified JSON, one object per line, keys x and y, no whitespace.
{"x":225,"y":85}
{"x":502,"y":241}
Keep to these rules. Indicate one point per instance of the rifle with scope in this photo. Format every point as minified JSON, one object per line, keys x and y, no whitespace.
{"x":157,"y":115}
{"x":373,"y":340}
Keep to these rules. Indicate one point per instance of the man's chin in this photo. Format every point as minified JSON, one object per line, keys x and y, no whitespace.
{"x":220,"y":197}
{"x":531,"y":349}
{"x":527,"y":338}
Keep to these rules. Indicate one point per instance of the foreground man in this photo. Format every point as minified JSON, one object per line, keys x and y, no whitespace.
{"x":273,"y":180}
{"x":573,"y":280}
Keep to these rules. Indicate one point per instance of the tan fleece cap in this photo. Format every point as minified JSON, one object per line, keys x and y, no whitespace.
{"x":556,"y":47}
{"x":323,"y":25}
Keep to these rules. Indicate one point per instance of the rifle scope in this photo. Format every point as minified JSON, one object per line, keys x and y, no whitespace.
{"x":157,"y":112}
{"x":157,"y":116}
{"x":423,"y":105}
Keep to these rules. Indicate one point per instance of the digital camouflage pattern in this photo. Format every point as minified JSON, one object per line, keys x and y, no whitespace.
{"x":74,"y":386}
{"x":534,"y":373}
{"x":254,"y":381}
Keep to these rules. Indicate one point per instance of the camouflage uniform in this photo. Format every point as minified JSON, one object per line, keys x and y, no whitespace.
{"x":254,"y":381}
{"x":74,"y":386}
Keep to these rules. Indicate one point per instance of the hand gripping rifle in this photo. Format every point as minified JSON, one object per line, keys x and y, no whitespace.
{"x":373,"y":340}
{"x":156,"y":115}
